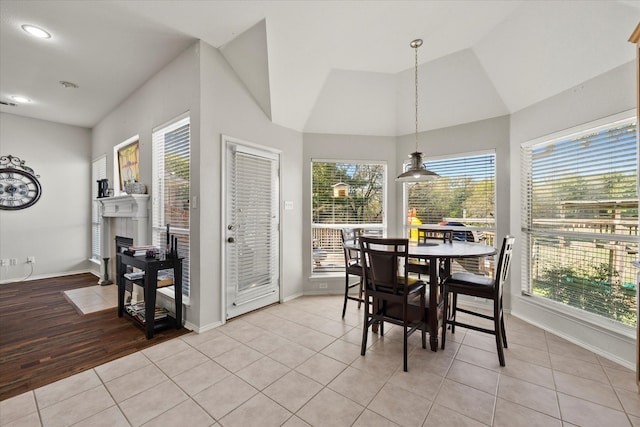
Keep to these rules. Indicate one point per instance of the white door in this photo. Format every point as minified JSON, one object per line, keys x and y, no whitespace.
{"x":252,"y":228}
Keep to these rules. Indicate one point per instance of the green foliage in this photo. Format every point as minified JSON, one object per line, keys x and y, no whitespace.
{"x":363,"y":203}
{"x":452,"y":198}
{"x":595,"y":288}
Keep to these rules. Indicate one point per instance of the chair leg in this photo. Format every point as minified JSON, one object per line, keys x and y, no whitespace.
{"x":497,"y":321}
{"x":360,"y":290}
{"x":346,"y":294}
{"x":365,"y":327}
{"x":454,"y":307}
{"x":504,"y":334}
{"x":445,"y":316}
{"x":405,"y":346}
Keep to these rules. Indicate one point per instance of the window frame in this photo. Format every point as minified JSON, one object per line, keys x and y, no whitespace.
{"x":98,"y":171}
{"x":526,"y":231}
{"x":406,"y":227}
{"x":380,"y":228}
{"x":158,"y":225}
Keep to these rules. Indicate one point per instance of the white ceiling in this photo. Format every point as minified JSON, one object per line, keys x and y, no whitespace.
{"x":327,"y":66}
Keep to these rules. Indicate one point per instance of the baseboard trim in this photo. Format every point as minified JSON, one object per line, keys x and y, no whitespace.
{"x":48,"y":276}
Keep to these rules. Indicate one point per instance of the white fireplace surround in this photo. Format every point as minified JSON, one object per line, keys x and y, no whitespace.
{"x":126,"y":216}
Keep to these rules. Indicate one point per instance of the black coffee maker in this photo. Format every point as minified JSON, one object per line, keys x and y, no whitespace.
{"x":103,"y":186}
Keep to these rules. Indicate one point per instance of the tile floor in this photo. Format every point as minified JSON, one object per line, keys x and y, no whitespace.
{"x":299,"y":364}
{"x":93,"y":298}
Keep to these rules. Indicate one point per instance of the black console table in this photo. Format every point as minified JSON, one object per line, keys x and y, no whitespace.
{"x":149,"y":282}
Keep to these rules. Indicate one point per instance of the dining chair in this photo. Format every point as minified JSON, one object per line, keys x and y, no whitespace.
{"x":352,"y":266}
{"x":390,"y":294}
{"x":420,"y":266}
{"x":463,"y":283}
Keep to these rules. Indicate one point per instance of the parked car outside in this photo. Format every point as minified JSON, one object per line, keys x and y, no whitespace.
{"x":465,"y":235}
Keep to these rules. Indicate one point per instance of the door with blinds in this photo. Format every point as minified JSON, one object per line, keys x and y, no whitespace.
{"x":252,"y":228}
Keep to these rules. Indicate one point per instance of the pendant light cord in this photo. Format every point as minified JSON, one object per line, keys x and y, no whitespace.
{"x":416,"y":46}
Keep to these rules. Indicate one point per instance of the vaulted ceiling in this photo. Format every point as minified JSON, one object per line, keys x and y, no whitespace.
{"x":318,"y":66}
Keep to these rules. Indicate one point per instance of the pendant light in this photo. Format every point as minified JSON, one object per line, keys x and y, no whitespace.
{"x":417,"y":172}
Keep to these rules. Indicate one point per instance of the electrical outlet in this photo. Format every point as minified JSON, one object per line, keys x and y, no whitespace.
{"x":13,"y":261}
{"x":322,"y":286}
{"x":4,"y":262}
{"x":31,"y":260}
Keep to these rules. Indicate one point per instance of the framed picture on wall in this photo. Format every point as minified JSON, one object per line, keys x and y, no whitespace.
{"x":128,"y":158}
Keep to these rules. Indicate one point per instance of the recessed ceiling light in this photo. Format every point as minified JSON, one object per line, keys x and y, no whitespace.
{"x":20,"y":98}
{"x":36,"y":31}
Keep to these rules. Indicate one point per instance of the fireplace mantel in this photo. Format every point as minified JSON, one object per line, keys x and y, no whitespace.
{"x":127,"y":206}
{"x":126,"y":216}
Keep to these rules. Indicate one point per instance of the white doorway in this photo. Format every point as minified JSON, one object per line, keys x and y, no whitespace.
{"x":251,"y":226}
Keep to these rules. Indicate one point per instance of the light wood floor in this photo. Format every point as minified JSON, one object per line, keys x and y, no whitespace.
{"x":43,"y":338}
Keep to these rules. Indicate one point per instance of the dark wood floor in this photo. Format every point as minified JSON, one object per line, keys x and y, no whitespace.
{"x":44,"y":339}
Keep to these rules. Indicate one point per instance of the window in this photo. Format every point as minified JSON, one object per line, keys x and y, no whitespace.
{"x":170,"y":189}
{"x":462,"y":197}
{"x":344,"y":195}
{"x":580,"y":219}
{"x":98,"y":171}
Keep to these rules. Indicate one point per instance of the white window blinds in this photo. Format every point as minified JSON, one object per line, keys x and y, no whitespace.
{"x":580,"y":219}
{"x":463,"y":195}
{"x":170,"y":189}
{"x":347,"y":194}
{"x":254,"y":214}
{"x":98,"y":171}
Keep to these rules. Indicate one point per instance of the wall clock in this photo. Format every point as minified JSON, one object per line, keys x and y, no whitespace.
{"x":19,"y":185}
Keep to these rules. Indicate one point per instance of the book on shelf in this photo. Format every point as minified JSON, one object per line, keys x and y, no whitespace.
{"x":165,"y":277}
{"x":141,"y":250}
{"x":134,"y":275}
{"x":138,"y":311}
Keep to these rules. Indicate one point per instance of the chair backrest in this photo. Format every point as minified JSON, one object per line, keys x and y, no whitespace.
{"x":504,"y":262}
{"x":425,"y":234}
{"x":350,"y":237}
{"x":382,"y":259}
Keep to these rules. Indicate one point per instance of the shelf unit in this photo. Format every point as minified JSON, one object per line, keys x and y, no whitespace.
{"x":149,"y":283}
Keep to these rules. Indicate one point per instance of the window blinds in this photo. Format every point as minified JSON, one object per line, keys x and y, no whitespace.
{"x":464,"y":192}
{"x":253,"y":211}
{"x":98,"y":171}
{"x":580,"y":219}
{"x":344,"y":195}
{"x":171,"y":156}
{"x":348,"y":193}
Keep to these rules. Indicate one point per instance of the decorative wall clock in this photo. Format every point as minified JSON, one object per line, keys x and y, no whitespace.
{"x":19,"y":185}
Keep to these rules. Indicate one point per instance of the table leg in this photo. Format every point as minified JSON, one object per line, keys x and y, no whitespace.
{"x":433,"y":304}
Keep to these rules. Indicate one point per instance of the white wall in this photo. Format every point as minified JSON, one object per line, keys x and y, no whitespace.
{"x":57,"y":229}
{"x":227,"y":108}
{"x":172,"y":91}
{"x":202,"y":82}
{"x":603,"y":96}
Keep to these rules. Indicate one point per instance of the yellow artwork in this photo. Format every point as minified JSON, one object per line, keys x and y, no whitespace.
{"x":128,"y":164}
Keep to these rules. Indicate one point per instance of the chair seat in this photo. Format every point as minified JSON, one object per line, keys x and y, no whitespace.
{"x":470,"y":279}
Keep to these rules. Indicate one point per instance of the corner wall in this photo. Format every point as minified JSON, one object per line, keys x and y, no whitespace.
{"x":57,"y":229}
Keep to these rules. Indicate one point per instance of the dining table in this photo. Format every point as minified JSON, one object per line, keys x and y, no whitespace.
{"x":440,"y":253}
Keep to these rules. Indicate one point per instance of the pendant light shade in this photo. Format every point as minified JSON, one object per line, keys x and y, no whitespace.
{"x":416,"y":172}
